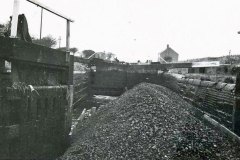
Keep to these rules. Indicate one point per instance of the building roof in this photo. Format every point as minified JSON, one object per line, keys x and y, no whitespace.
{"x":169,"y":50}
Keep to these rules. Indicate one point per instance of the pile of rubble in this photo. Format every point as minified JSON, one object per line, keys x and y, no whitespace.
{"x":148,"y":122}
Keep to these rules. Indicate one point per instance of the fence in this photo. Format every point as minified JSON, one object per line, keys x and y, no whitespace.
{"x":218,"y":100}
{"x":82,"y":88}
{"x":35,"y":100}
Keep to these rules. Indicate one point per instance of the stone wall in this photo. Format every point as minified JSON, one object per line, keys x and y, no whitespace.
{"x":114,"y":79}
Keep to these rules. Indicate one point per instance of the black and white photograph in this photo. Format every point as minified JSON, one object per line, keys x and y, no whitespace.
{"x":119,"y":79}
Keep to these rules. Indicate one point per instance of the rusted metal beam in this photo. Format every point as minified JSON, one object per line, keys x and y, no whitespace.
{"x":147,"y":67}
{"x":39,"y":4}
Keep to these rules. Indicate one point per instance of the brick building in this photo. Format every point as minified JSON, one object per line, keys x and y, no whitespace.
{"x":168,"y":55}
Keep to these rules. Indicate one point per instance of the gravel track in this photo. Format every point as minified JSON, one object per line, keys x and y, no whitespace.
{"x":149,"y":122}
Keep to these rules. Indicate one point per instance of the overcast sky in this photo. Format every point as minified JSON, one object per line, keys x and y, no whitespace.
{"x":139,"y":29}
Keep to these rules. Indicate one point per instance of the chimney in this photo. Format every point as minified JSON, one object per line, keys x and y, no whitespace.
{"x":167,"y":46}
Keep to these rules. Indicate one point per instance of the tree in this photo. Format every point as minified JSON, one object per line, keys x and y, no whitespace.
{"x":74,"y":49}
{"x":2,"y":25}
{"x":110,"y":56}
{"x":47,"y":41}
{"x":4,"y":29}
{"x":116,"y":59}
{"x":88,"y":53}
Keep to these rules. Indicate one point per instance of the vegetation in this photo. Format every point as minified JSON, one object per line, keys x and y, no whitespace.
{"x":87,"y":53}
{"x":47,"y":41}
{"x":4,"y":29}
{"x":109,"y":55}
{"x":168,"y":81}
{"x":102,"y":55}
{"x":228,"y":59}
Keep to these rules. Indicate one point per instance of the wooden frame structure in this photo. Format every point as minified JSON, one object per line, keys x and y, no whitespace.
{"x":15,"y":19}
{"x":36,"y":96}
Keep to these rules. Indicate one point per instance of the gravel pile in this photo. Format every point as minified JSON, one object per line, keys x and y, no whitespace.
{"x":149,"y":122}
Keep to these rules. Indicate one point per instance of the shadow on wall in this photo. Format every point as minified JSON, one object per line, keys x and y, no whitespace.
{"x":114,"y":83}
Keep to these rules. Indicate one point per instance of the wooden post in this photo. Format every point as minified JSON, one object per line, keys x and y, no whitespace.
{"x":236,"y":107}
{"x":70,"y":71}
{"x":68,"y":35}
{"x":2,"y":65}
{"x":2,"y":68}
{"x":41,"y":23}
{"x":222,"y":128}
{"x":15,"y":18}
{"x":71,"y":68}
{"x":71,"y":59}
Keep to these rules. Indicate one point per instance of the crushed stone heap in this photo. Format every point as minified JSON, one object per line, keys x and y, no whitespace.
{"x":148,"y":122}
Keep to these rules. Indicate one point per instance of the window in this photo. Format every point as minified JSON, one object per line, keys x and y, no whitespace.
{"x":168,"y":59}
{"x":202,"y":70}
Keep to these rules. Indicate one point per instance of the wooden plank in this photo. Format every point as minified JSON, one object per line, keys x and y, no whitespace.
{"x":33,"y":101}
{"x":70,"y":70}
{"x":14,"y":49}
{"x":80,"y":90}
{"x":80,"y":85}
{"x":81,"y":60}
{"x":236,"y":107}
{"x":69,"y":107}
{"x":35,"y":53}
{"x":39,"y":108}
{"x":29,"y":109}
{"x":2,"y":66}
{"x":222,"y":128}
{"x":13,"y":131}
{"x":229,"y":87}
{"x":80,"y":99}
{"x":50,"y":103}
{"x":103,"y":65}
{"x":15,"y":93}
{"x":220,"y":85}
{"x":24,"y":109}
{"x":46,"y":107}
